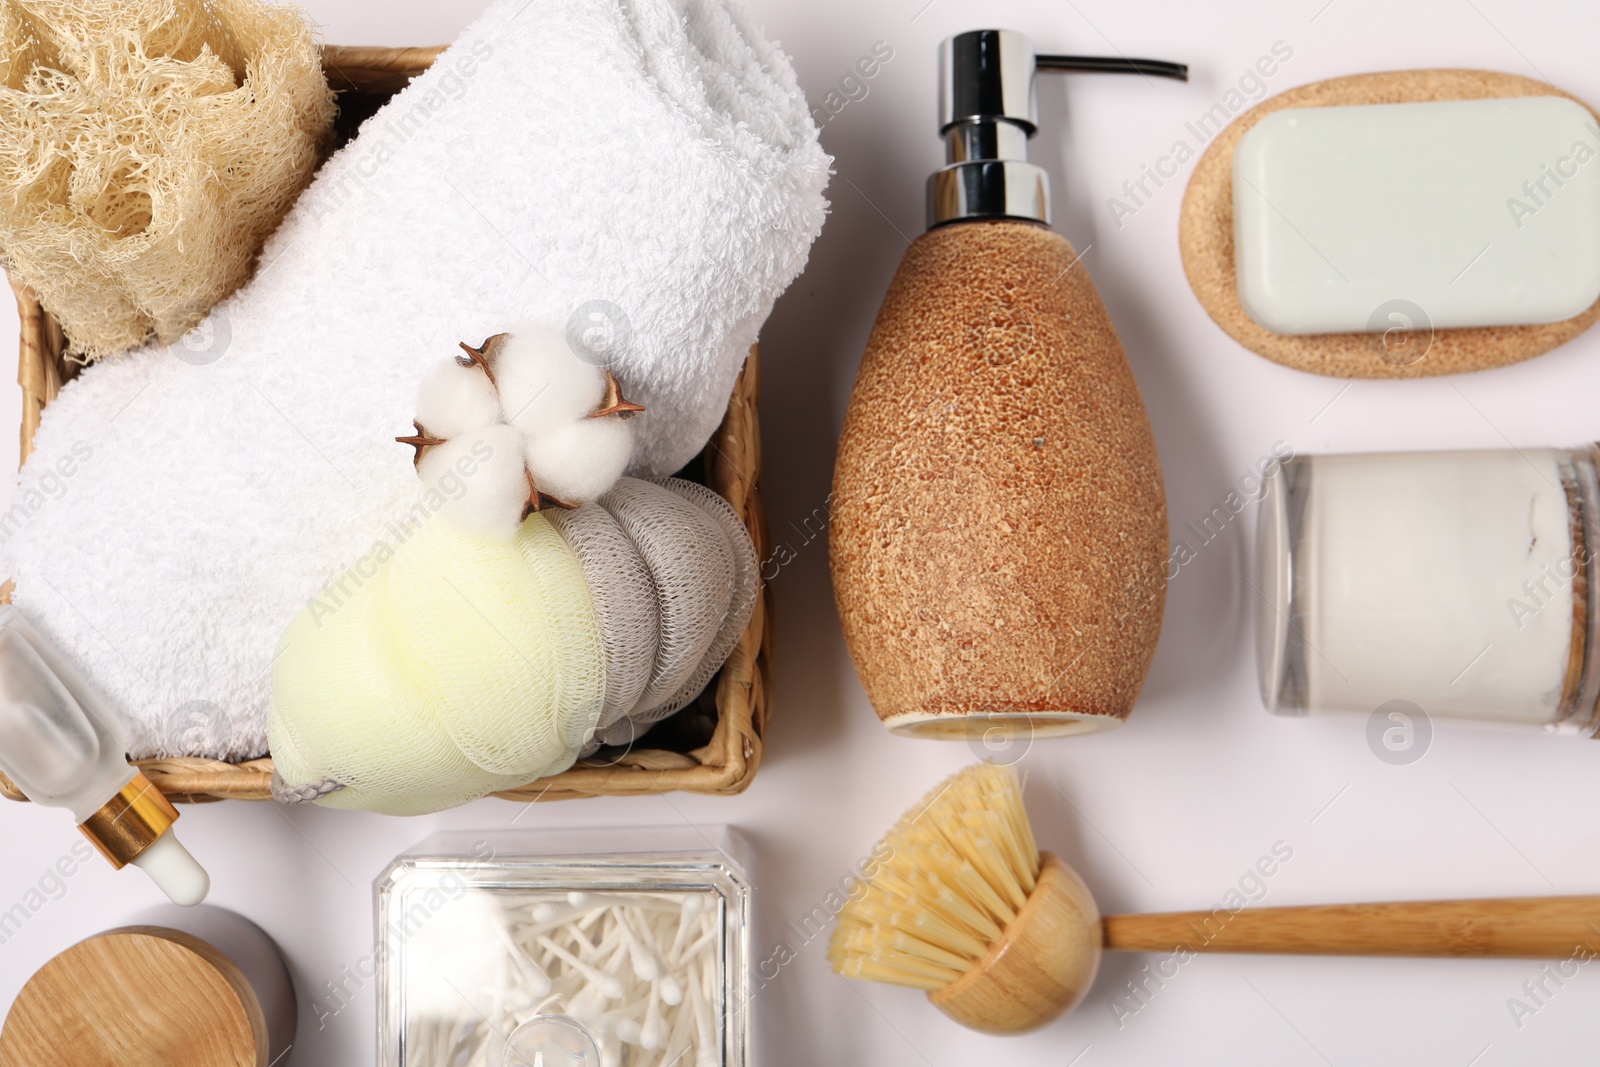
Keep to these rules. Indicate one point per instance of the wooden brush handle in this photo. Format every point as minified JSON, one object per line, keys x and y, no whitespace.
{"x":1529,"y":927}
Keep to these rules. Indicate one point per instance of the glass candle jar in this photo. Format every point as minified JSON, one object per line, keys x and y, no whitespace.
{"x":1460,"y":582}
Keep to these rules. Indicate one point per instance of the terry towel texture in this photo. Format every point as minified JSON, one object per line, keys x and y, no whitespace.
{"x":638,"y":171}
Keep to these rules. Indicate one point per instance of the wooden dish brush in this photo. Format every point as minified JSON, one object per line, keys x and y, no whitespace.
{"x":1005,"y":939}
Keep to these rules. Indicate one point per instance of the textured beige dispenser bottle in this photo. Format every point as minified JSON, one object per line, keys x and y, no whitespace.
{"x":999,"y":527}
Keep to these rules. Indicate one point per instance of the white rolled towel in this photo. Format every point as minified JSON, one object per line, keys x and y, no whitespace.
{"x":643,"y":173}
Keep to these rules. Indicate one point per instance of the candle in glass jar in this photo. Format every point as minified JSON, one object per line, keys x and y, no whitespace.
{"x":1456,"y":581}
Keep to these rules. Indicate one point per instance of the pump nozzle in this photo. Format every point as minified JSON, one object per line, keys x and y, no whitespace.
{"x":1159,"y":68}
{"x":987,"y":112}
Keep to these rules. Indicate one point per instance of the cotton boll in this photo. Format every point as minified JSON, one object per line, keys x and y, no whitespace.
{"x":542,"y":381}
{"x":478,"y":481}
{"x":553,"y":441}
{"x":576,"y":462}
{"x":453,"y":399}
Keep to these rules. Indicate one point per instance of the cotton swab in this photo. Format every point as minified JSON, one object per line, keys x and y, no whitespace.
{"x":636,"y":970}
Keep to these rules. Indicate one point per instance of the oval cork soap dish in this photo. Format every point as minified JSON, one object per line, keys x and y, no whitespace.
{"x":1325,"y":209}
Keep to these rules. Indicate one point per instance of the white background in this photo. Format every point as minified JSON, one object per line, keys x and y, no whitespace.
{"x":1167,"y":812}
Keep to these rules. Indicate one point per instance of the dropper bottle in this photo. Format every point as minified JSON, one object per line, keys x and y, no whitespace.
{"x":64,"y":748}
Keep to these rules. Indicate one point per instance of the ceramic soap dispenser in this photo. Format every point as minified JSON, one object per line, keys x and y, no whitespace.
{"x":999,"y":527}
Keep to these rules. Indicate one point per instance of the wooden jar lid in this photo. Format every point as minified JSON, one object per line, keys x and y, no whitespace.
{"x":138,"y":995}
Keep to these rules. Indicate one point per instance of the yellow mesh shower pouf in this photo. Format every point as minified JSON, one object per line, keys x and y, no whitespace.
{"x":468,"y":663}
{"x":463,"y":666}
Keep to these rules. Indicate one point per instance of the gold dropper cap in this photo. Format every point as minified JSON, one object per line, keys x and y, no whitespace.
{"x":130,"y":822}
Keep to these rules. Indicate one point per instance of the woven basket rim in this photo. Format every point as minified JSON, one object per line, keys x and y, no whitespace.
{"x":724,"y":766}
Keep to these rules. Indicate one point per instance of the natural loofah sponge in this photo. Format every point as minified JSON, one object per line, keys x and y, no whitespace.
{"x":147,"y":148}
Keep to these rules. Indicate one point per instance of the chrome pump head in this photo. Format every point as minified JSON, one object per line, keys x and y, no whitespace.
{"x":987,"y":112}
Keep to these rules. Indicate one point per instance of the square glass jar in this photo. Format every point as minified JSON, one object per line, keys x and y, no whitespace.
{"x":594,"y":947}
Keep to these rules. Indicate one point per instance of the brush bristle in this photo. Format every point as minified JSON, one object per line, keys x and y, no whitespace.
{"x":957,"y":869}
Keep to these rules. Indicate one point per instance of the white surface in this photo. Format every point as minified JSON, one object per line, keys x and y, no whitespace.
{"x":1481,"y":212}
{"x":1173,"y":809}
{"x":1409,"y":568}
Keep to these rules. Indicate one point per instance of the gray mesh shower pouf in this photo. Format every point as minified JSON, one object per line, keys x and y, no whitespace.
{"x":741,"y":604}
{"x":625,"y":602}
{"x":675,"y":579}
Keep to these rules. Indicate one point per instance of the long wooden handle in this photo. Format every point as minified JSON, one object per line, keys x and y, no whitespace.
{"x":1528,"y":927}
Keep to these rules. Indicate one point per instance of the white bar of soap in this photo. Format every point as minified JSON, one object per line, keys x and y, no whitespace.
{"x":1462,"y":212}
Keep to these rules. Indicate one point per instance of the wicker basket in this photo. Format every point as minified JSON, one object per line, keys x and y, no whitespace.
{"x":365,"y":77}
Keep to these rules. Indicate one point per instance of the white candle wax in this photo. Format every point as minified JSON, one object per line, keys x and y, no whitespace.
{"x":1444,"y":579}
